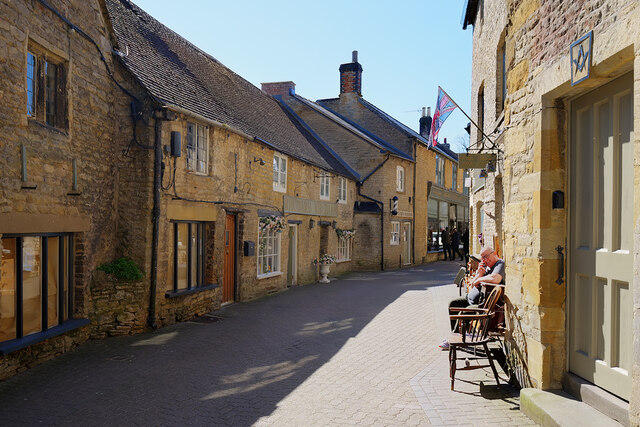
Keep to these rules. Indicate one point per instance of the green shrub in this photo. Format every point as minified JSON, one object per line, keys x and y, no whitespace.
{"x":123,"y":269}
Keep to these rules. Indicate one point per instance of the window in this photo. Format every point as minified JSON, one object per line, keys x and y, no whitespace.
{"x":501,"y":77}
{"x":268,"y":252}
{"x":35,"y":284}
{"x":279,"y":173}
{"x":325,"y":187}
{"x":433,"y":230}
{"x":400,"y":178}
{"x":480,"y":114}
{"x":467,"y":178}
{"x":342,"y":190}
{"x":45,"y":80}
{"x":439,"y":170}
{"x":188,"y":255}
{"x":395,"y":233}
{"x":344,"y":249}
{"x":454,"y":177}
{"x":197,"y":147}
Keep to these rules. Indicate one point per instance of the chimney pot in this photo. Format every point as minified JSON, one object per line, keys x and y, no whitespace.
{"x":354,"y":56}
{"x":429,"y":111}
{"x":423,"y":111}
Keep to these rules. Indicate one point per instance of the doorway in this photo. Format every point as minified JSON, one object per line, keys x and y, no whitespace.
{"x":406,"y":238}
{"x":228,"y":275}
{"x":292,"y":263}
{"x":600,"y":246}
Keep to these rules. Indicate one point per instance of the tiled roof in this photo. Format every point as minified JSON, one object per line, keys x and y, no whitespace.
{"x":178,"y":74}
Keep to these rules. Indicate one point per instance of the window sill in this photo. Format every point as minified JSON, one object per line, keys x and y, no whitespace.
{"x":47,"y":126}
{"x":343,"y":260}
{"x":20,"y":343}
{"x":192,"y":172}
{"x":342,"y":202}
{"x":181,"y":292}
{"x":394,"y":243}
{"x":268,"y":275}
{"x":279,"y":189}
{"x":324,"y":198}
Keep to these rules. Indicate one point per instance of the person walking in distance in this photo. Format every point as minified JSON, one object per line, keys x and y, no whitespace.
{"x":455,"y":245}
{"x":446,"y":243}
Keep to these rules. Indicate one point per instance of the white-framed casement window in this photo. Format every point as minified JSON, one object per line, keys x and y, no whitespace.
{"x":268,"y":252}
{"x":399,"y":178}
{"x":344,"y":249}
{"x":439,"y":170}
{"x":325,"y":187}
{"x":197,"y":147}
{"x":342,"y":190}
{"x":395,"y":233}
{"x":279,"y":173}
{"x":454,"y":177}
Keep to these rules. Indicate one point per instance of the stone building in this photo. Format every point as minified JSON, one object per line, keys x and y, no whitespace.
{"x":436,"y":199}
{"x":554,"y":87}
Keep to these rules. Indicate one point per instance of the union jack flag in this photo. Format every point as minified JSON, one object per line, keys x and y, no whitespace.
{"x":444,"y":107}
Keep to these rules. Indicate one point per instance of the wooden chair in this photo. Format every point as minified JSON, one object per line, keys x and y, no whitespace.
{"x":473,"y":335}
{"x":459,"y":279}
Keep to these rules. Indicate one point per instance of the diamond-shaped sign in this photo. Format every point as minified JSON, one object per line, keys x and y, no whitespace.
{"x":580,"y":53}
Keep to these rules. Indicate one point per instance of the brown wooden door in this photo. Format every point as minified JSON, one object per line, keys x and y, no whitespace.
{"x":228,"y":278}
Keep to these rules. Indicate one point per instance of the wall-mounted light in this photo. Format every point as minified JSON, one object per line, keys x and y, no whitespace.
{"x":334,"y":224}
{"x":312,"y":223}
{"x":259,"y":159}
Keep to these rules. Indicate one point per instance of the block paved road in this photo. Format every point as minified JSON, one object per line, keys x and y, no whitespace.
{"x":361,"y":350}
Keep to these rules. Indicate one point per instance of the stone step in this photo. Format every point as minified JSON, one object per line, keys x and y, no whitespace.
{"x":560,"y":409}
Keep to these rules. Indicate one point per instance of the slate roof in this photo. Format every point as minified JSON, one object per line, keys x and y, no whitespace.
{"x":333,"y":103}
{"x":178,"y":74}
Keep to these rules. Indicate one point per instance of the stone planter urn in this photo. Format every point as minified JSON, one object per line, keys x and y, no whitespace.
{"x":324,"y":271}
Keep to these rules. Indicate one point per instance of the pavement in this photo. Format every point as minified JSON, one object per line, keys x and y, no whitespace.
{"x":361,"y":350}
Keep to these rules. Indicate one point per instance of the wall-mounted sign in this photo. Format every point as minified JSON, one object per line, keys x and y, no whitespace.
{"x":580,"y":54}
{"x":475,"y":160}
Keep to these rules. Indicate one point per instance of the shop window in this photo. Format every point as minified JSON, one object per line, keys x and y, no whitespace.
{"x":395,"y":233}
{"x":197,"y":147}
{"x":188,"y":265}
{"x":46,"y":87}
{"x":279,"y":173}
{"x":268,"y":252}
{"x":344,"y":249}
{"x":433,"y":229}
{"x":342,"y":190}
{"x":35,"y":283}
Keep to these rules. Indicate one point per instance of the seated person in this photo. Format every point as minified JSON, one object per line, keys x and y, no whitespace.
{"x":490,"y":270}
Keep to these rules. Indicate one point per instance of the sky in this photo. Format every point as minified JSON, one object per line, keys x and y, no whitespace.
{"x":407,"y":48}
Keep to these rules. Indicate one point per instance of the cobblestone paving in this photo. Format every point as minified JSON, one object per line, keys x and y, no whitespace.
{"x":361,"y":350}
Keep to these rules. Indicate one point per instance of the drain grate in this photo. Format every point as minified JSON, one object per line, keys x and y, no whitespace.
{"x":207,"y":318}
{"x":121,"y":358}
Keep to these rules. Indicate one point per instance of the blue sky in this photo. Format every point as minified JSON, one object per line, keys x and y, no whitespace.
{"x":406,"y":47}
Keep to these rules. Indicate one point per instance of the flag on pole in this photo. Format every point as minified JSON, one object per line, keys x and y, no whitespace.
{"x":444,"y":107}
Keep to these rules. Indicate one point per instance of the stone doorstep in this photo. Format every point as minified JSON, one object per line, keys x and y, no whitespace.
{"x":560,"y":409}
{"x":605,"y":402}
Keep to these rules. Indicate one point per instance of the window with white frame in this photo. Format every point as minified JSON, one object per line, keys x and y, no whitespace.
{"x":344,"y":249}
{"x":400,"y":178}
{"x":342,"y":190}
{"x":439,"y":170}
{"x":280,"y":173}
{"x":197,"y":147}
{"x":454,"y":177}
{"x":268,"y":252}
{"x":325,"y":187}
{"x":395,"y":233}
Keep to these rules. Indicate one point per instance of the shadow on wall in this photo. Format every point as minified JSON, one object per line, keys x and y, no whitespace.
{"x":516,"y":347}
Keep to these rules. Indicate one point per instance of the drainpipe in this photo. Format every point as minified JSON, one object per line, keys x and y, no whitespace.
{"x":379,"y":203}
{"x":415,"y":171}
{"x":155,"y":216}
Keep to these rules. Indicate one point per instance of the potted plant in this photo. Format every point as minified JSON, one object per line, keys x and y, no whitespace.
{"x":324,"y":262}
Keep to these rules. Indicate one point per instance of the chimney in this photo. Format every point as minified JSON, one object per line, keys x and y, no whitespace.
{"x":425,"y":123}
{"x":351,"y":76}
{"x":279,"y":88}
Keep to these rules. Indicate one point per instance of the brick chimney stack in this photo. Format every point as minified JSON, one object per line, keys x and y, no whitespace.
{"x":351,"y":76}
{"x":425,"y":123}
{"x":279,"y":88}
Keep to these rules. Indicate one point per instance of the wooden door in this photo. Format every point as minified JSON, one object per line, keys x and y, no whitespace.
{"x":292,"y":261}
{"x":228,"y":278}
{"x":601,"y":237}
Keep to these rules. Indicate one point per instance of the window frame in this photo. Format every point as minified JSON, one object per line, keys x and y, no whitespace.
{"x":325,"y":183}
{"x":276,"y":255}
{"x":344,"y":249}
{"x":46,"y":104}
{"x":395,"y":233}
{"x":454,"y":177}
{"x":200,"y":256}
{"x":65,"y":277}
{"x":342,"y":190}
{"x":440,"y":170}
{"x":400,"y":178}
{"x":279,"y":159}
{"x":201,"y":137}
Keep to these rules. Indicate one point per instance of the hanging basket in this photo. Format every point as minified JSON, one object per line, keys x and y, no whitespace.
{"x":272,"y":223}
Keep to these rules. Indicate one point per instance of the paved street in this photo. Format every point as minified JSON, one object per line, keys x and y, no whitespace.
{"x":361,"y":350}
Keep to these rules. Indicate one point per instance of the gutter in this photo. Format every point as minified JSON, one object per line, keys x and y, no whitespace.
{"x":208,"y":121}
{"x":379,"y":203}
